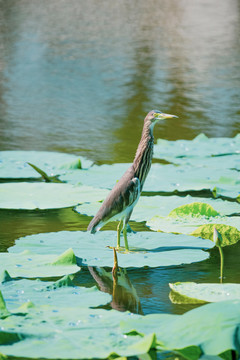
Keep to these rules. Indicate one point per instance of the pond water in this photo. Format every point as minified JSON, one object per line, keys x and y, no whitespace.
{"x":80,"y":76}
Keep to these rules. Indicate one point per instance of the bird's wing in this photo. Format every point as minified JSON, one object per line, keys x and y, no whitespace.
{"x":122,"y":196}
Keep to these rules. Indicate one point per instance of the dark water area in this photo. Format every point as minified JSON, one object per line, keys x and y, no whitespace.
{"x":79,"y":77}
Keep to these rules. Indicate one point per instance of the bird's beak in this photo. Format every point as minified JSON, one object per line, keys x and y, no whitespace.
{"x":162,"y":116}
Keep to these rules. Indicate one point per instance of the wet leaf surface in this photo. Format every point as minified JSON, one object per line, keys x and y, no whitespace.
{"x":146,"y":248}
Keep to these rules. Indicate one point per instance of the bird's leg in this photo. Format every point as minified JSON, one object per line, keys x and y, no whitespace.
{"x":125,"y":237}
{"x":119,"y":228}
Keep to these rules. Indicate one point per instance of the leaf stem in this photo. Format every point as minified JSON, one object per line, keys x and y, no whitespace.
{"x":221,"y":263}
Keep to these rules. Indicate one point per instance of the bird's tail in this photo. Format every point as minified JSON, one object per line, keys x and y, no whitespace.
{"x":93,"y":226}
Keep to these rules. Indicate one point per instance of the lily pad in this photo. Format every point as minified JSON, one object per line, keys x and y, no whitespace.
{"x":59,"y":293}
{"x":193,"y":293}
{"x":31,"y":265}
{"x":187,"y":218}
{"x":13,"y":164}
{"x":164,"y":178}
{"x":147,"y":248}
{"x":149,"y":206}
{"x":213,"y":328}
{"x":200,"y":147}
{"x":103,"y":176}
{"x":70,"y":333}
{"x":187,"y":178}
{"x":194,"y":209}
{"x":230,"y":235}
{"x":46,"y":195}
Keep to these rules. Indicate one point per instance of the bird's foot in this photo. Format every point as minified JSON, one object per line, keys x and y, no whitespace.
{"x":120,"y":249}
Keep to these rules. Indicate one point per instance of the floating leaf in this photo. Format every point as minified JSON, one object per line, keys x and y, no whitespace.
{"x":103,"y":176}
{"x":230,"y":235}
{"x":66,"y":333}
{"x":188,"y":225}
{"x":149,"y":206}
{"x":58,"y":294}
{"x":194,"y":209}
{"x":188,"y":178}
{"x":212,"y":328}
{"x":14,"y":163}
{"x":193,"y":293}
{"x":31,"y":265}
{"x":201,"y":147}
{"x":3,"y":309}
{"x":147,"y":248}
{"x":163,"y":178}
{"x":46,"y":195}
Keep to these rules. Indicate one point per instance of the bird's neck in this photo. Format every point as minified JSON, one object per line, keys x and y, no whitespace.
{"x":143,"y":158}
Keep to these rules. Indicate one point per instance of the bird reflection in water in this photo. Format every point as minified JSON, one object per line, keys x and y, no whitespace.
{"x":118,"y":284}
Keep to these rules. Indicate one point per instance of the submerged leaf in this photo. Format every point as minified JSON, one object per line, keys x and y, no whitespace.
{"x":193,"y":293}
{"x":230,"y":235}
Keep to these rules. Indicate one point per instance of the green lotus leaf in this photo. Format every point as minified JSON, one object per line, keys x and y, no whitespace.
{"x":190,"y":225}
{"x":32,"y":265}
{"x":103,"y":176}
{"x":192,"y":293}
{"x":14,"y":163}
{"x":194,"y":209}
{"x":59,"y":293}
{"x":146,"y":248}
{"x":150,"y":206}
{"x":212,"y":328}
{"x":230,"y":234}
{"x":163,"y":178}
{"x":71,"y":333}
{"x":3,"y":309}
{"x":188,"y":178}
{"x":200,"y":147}
{"x":46,"y":195}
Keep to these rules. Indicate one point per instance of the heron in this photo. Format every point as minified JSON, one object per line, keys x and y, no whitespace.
{"x":121,"y":200}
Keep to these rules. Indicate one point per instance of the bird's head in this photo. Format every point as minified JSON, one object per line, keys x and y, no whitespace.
{"x":155,"y":116}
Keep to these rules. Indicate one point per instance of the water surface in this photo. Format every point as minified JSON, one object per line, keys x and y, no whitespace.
{"x":79,"y":76}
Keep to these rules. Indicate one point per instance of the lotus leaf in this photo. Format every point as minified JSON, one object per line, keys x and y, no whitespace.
{"x":200,"y":147}
{"x":194,"y":209}
{"x":190,"y":225}
{"x":13,"y":164}
{"x":213,"y":328}
{"x":192,"y":293}
{"x":185,"y":178}
{"x":230,"y":235}
{"x":3,"y":309}
{"x":149,"y":206}
{"x":103,"y":176}
{"x":171,"y":178}
{"x":69,"y":333}
{"x":147,"y":248}
{"x":187,"y":218}
{"x":31,"y":265}
{"x":46,"y":195}
{"x":59,"y":293}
